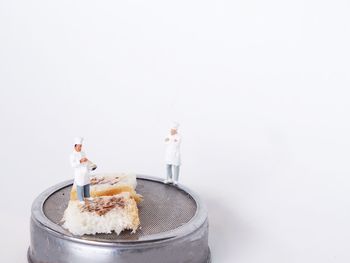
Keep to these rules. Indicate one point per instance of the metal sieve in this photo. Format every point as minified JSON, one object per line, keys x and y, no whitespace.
{"x":174,"y":229}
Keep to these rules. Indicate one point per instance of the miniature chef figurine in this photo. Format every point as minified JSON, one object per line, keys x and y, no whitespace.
{"x":172,"y":155}
{"x":82,"y":167}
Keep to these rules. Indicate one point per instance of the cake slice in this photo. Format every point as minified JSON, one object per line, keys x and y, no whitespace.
{"x":102,"y":215}
{"x":111,"y":184}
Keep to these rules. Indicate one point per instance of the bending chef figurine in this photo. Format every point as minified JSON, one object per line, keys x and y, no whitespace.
{"x":82,"y":167}
{"x":172,"y":155}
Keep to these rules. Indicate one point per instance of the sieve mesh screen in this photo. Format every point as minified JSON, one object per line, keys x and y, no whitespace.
{"x":164,"y":208}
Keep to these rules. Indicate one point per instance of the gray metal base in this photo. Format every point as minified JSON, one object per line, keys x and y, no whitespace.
{"x":30,"y":261}
{"x":174,"y":229}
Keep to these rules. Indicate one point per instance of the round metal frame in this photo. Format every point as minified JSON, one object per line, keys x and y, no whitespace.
{"x":50,"y":243}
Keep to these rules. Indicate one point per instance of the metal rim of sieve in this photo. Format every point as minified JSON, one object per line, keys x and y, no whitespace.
{"x":195,"y":222}
{"x":30,"y":260}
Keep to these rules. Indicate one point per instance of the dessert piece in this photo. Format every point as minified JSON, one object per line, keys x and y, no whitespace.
{"x":102,"y":215}
{"x":111,"y":184}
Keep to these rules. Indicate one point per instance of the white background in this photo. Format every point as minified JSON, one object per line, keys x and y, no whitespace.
{"x":261,"y":89}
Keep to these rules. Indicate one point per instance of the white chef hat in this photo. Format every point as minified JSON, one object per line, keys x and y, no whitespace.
{"x":175,"y":125}
{"x":78,"y":140}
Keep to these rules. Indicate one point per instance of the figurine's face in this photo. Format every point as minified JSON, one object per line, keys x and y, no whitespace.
{"x":77,"y":147}
{"x":173,"y":131}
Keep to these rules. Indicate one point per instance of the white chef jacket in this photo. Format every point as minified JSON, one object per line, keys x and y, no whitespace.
{"x":81,"y":171}
{"x":172,"y":153}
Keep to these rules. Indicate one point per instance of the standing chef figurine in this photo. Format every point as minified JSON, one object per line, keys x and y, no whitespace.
{"x":172,"y":155}
{"x":82,"y":167}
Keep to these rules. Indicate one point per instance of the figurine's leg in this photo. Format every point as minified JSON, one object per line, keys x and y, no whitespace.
{"x":80,"y":193}
{"x":176,"y":174}
{"x":169,"y":174}
{"x":87,"y":190}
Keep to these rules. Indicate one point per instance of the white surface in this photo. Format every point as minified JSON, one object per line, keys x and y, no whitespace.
{"x":261,"y":89}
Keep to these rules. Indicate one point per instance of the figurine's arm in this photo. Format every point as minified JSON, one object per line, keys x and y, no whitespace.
{"x":177,"y":140}
{"x":75,"y":162}
{"x":83,"y":158}
{"x":167,"y":140}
